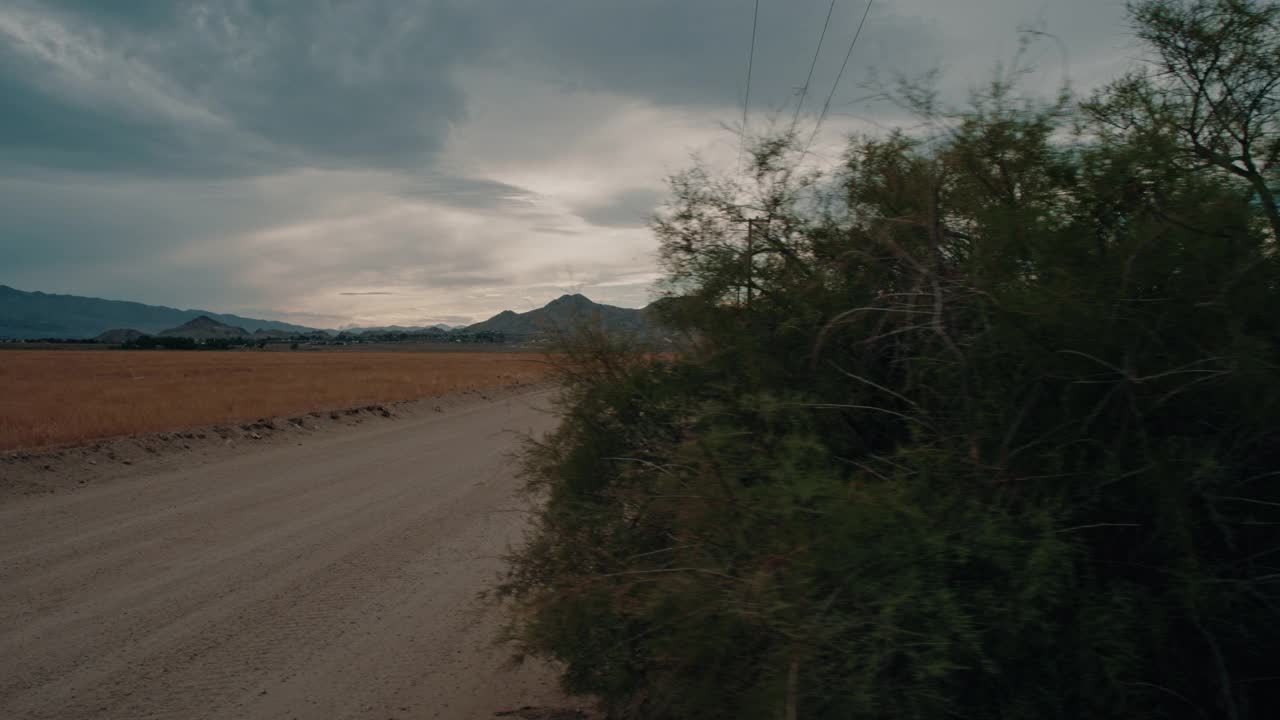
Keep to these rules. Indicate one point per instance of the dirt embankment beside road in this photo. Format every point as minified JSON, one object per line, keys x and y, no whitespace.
{"x":50,"y":470}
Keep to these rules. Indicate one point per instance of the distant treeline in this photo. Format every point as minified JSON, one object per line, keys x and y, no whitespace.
{"x":157,"y":342}
{"x":52,"y":341}
{"x":450,"y":336}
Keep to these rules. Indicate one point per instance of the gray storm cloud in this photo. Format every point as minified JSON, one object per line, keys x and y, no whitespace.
{"x":385,"y":160}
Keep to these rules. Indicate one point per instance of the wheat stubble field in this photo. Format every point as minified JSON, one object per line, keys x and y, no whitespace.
{"x":66,"y":397}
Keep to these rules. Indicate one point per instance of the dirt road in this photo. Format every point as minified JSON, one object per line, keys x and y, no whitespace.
{"x":332,"y":579}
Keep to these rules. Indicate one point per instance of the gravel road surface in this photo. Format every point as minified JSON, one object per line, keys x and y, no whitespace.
{"x":336,"y":578}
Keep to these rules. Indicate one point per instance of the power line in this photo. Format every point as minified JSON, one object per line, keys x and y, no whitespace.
{"x":805,"y":89}
{"x":827,"y":105}
{"x":746,"y":100}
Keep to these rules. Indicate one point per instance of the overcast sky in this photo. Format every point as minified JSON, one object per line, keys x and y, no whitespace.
{"x":376,"y":162}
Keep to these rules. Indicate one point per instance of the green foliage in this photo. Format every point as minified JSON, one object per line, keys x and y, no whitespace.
{"x":983,"y":426}
{"x":1209,"y":97}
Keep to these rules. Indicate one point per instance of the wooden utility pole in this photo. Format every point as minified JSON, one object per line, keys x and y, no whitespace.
{"x":751,"y":255}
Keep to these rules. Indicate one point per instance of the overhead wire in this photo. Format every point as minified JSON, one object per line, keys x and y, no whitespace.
{"x":746,"y":100}
{"x":826,"y":106}
{"x":804,"y":89}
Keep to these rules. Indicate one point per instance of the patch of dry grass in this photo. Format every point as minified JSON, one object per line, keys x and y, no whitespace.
{"x":55,"y":398}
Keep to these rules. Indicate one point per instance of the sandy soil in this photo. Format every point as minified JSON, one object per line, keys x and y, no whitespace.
{"x":323,"y":571}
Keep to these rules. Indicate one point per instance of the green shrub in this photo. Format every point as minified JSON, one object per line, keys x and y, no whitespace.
{"x":986,"y":427}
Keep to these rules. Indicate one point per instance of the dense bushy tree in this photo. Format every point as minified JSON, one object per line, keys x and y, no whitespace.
{"x":1210,"y":97}
{"x":982,"y":424}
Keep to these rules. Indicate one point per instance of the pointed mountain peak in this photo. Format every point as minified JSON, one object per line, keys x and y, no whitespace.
{"x":204,"y":327}
{"x":574,"y":300}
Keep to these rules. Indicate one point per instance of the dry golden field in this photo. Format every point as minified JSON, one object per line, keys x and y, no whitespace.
{"x":50,"y":397}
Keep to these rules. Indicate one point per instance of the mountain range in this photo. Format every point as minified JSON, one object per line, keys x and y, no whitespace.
{"x":565,"y":313}
{"x":360,"y":330}
{"x":42,"y":315}
{"x":25,"y":315}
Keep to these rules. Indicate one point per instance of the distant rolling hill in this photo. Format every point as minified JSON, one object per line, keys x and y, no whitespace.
{"x":563,"y":314}
{"x":381,"y":329}
{"x":205,"y":328}
{"x":39,"y":315}
{"x":120,"y":336}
